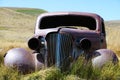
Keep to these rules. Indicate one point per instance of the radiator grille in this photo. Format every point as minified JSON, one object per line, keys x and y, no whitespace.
{"x":59,"y":47}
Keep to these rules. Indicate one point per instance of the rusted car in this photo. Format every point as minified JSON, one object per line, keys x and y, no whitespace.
{"x":60,"y":37}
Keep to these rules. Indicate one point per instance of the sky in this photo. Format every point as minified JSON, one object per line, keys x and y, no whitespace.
{"x":108,"y":9}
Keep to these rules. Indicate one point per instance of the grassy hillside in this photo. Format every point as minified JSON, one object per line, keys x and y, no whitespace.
{"x":114,"y":23}
{"x":29,"y":11}
{"x":113,"y":35}
{"x":17,"y":26}
{"x":18,"y":20}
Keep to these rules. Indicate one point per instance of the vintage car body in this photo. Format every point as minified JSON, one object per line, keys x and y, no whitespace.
{"x":58,"y":38}
{"x":50,"y":24}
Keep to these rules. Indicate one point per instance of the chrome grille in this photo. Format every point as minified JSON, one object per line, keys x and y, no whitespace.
{"x":59,"y":47}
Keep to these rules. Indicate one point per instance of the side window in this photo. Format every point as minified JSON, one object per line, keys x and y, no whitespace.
{"x":103,"y":29}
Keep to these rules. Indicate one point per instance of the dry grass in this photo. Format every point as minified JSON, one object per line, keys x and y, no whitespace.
{"x":113,"y":38}
{"x":16,"y":28}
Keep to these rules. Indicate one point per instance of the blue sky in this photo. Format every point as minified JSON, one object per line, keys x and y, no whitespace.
{"x":108,"y":9}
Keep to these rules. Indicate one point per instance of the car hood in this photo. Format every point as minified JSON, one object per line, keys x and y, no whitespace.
{"x":72,"y":31}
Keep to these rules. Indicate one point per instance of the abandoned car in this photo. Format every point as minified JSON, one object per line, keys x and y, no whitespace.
{"x":60,"y":37}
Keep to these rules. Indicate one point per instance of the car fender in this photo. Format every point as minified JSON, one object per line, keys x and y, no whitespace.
{"x":103,"y":56}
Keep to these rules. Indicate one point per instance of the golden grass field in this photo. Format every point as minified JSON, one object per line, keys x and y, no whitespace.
{"x":113,"y":35}
{"x":17,"y":26}
{"x":15,"y":29}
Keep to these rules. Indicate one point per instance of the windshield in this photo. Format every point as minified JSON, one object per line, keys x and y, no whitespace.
{"x":67,"y":20}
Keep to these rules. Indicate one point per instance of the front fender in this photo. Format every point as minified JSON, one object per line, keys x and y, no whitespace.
{"x":20,"y":58}
{"x":103,"y":56}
